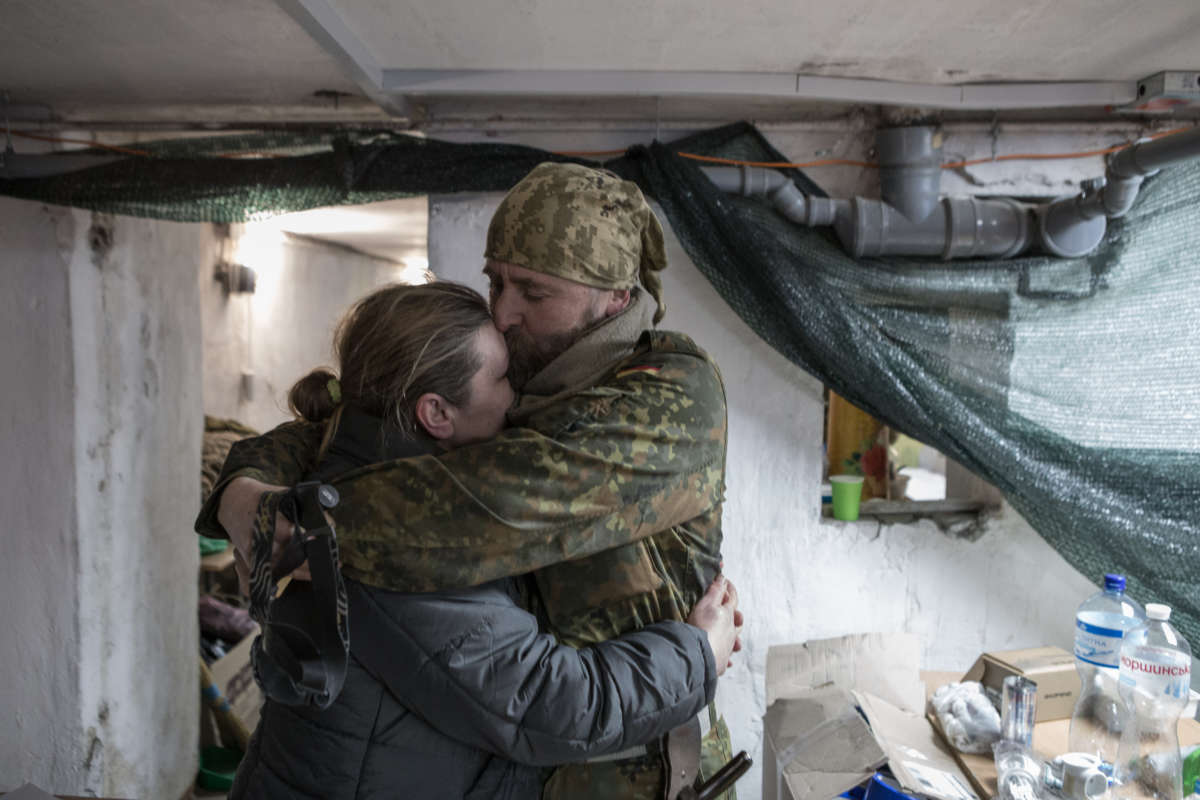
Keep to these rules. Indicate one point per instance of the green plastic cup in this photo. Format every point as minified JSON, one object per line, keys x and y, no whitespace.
{"x":847,"y":492}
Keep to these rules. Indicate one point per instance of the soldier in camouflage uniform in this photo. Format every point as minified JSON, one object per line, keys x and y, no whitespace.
{"x":609,"y":485}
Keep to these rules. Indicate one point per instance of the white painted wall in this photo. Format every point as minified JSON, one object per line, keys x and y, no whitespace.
{"x":800,"y":577}
{"x":39,"y":572}
{"x":102,"y":429}
{"x":286,"y":327}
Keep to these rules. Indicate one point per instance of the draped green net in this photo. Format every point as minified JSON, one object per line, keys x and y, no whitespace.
{"x":1072,"y":385}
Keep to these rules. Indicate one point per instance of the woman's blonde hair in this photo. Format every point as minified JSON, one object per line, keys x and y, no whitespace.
{"x":393,"y":346}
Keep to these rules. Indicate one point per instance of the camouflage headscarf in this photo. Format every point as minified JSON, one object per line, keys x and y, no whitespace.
{"x":583,"y":224}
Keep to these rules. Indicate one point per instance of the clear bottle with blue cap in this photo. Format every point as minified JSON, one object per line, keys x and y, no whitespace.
{"x":1100,"y":626}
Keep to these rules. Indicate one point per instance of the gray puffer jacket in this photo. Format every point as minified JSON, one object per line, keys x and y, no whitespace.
{"x":458,"y":695}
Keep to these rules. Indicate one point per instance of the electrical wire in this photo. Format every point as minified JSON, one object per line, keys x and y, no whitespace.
{"x":846,"y":162}
{"x":826,"y":162}
{"x":129,"y":151}
{"x":114,"y":148}
{"x":1052,"y":156}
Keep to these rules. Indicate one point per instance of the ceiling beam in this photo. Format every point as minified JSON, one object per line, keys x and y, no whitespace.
{"x":565,"y":83}
{"x":326,"y":27}
{"x":392,"y":89}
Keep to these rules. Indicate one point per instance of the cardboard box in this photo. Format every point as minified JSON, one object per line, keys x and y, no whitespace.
{"x":816,"y":745}
{"x":1051,"y":668}
{"x":841,"y":708}
{"x":235,"y":676}
{"x":921,"y":761}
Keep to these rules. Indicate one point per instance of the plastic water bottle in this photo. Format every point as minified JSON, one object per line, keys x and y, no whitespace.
{"x":1155,"y":675}
{"x":1100,"y":624}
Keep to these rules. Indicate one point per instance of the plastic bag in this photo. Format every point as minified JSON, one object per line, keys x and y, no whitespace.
{"x":968,"y":717}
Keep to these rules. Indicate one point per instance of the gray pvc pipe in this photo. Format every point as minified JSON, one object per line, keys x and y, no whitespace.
{"x":787,"y":199}
{"x":1146,"y":156}
{"x":746,"y":181}
{"x":957,"y":227}
{"x":805,"y":209}
{"x":1073,"y":226}
{"x":916,"y":223}
{"x":910,"y":169}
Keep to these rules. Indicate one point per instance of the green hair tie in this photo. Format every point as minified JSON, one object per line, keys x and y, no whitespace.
{"x":335,"y":390}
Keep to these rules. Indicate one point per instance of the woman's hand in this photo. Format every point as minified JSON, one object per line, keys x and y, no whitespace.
{"x":238,"y":506}
{"x":717,"y":614}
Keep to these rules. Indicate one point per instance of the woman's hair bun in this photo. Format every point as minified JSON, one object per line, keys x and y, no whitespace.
{"x":310,"y":398}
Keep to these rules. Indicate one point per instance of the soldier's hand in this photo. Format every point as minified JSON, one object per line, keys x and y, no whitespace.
{"x":239,"y":504}
{"x":717,"y":615}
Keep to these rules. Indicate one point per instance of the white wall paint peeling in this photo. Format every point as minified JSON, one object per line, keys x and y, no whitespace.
{"x":800,"y":577}
{"x":136,"y":321}
{"x":41,"y":699}
{"x":105,"y":430}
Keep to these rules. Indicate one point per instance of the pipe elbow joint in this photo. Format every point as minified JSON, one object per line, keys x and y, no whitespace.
{"x":803,"y":209}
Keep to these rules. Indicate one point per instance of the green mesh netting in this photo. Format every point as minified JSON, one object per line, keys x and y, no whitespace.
{"x":1072,"y":385}
{"x":195,"y":180}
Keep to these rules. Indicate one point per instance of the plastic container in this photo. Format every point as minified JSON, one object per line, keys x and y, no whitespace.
{"x":1191,"y":770}
{"x":847,"y":492}
{"x":1155,"y":675}
{"x":1100,"y":625}
{"x":218,"y":766}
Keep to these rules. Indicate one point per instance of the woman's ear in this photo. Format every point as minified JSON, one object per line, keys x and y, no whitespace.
{"x":435,"y":415}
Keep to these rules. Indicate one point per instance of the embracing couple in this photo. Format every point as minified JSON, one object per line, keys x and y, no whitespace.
{"x":536,"y":607}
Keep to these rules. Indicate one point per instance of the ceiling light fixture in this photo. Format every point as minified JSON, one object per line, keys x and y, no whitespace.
{"x":235,"y":278}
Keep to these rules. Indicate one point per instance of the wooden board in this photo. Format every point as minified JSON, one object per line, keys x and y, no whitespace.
{"x":217,"y":562}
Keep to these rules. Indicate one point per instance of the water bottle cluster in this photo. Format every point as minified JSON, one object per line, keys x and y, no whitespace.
{"x":1135,"y":676}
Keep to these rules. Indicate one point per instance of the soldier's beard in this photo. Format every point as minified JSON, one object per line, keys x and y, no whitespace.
{"x":527,"y":357}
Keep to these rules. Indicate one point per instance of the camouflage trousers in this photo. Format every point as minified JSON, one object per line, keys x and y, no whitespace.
{"x":640,"y":778}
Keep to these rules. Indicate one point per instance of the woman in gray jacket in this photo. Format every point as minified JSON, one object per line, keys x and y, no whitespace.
{"x":458,"y":694}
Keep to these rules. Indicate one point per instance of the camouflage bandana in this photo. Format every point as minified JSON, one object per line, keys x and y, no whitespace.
{"x":583,"y":224}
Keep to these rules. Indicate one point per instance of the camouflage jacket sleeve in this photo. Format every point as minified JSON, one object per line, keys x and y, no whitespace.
{"x":281,"y":457}
{"x":640,"y":452}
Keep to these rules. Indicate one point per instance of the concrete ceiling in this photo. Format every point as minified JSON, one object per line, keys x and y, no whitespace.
{"x":919,"y":40}
{"x":148,"y":52}
{"x":141,"y":56}
{"x":221,"y":62}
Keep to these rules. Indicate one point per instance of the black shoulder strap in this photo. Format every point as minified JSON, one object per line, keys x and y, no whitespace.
{"x":303,"y":652}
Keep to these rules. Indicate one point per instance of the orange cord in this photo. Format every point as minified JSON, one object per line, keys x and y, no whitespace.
{"x":870,"y":165}
{"x":1049,"y":156}
{"x":693,"y":156}
{"x":779,"y":164}
{"x":132,"y":152}
{"x":127,"y":151}
{"x":588,"y":153}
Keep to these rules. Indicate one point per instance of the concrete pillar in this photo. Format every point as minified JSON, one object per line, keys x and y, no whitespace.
{"x":101,"y":432}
